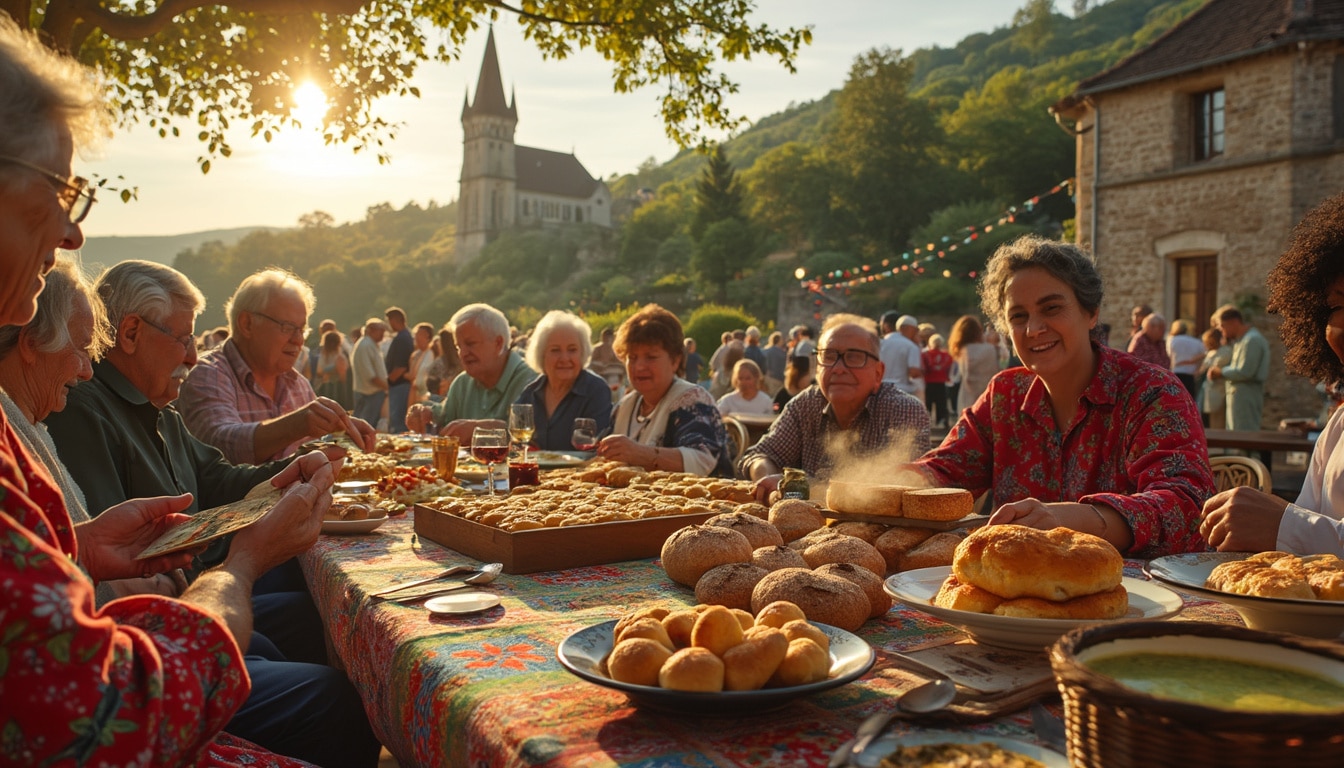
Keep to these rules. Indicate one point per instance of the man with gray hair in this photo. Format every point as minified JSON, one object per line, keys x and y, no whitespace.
{"x":752,"y":351}
{"x":492,"y":378}
{"x":1244,"y":378}
{"x":368,"y":371}
{"x":245,"y":398}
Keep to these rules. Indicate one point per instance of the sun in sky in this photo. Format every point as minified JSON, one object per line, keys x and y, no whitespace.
{"x":310,"y":105}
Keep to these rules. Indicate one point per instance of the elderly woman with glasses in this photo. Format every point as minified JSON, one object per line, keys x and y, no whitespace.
{"x":851,"y":415}
{"x":1083,"y":436}
{"x":560,"y":349}
{"x":143,"y":678}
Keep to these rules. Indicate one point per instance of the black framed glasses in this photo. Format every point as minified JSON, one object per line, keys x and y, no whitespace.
{"x":287,"y":328}
{"x":75,"y":194}
{"x":854,"y":359}
{"x":188,"y":340}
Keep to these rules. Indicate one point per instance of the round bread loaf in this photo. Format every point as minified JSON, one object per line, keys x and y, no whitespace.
{"x":937,"y":504}
{"x":846,"y":549}
{"x":729,"y":585}
{"x":937,"y":550}
{"x":1015,"y":561}
{"x":869,"y":532}
{"x":691,"y":551}
{"x":878,"y":599}
{"x":774,"y":558}
{"x":758,"y":532}
{"x":965,"y":597}
{"x":821,"y":534}
{"x":827,"y":599}
{"x":1111,"y":604}
{"x":865,"y":498}
{"x":897,"y":540}
{"x":755,"y":509}
{"x":795,"y":518}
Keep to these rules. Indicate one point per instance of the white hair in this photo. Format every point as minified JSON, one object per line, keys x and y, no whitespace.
{"x":153,"y":291}
{"x":483,"y":316}
{"x":258,"y":289}
{"x":558,"y":320}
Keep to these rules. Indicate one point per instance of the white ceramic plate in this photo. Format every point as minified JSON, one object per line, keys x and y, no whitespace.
{"x":558,"y":459}
{"x":462,"y":602}
{"x":583,"y":652}
{"x":347,"y":527}
{"x":1313,"y":618}
{"x":872,"y":756}
{"x":917,"y":589}
{"x":351,"y":487}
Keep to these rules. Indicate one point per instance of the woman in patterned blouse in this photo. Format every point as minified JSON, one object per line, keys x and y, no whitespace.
{"x":1082,"y":436}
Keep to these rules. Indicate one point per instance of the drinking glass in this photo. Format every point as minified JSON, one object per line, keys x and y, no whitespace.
{"x":585,"y":434}
{"x":521,"y":426}
{"x":490,"y":446}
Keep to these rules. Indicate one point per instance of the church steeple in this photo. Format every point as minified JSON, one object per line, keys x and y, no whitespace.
{"x":490,"y":87}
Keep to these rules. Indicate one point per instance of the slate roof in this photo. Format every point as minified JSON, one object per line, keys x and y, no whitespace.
{"x":1220,"y":31}
{"x":551,"y":173}
{"x":490,"y":87}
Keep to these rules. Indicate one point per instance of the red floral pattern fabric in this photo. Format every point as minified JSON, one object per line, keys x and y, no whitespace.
{"x":146,"y":681}
{"x":1136,"y":444}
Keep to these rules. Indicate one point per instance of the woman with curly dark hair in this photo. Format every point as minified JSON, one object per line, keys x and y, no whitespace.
{"x":1306,"y":288}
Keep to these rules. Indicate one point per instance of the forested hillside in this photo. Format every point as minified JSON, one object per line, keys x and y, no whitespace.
{"x":912,"y":148}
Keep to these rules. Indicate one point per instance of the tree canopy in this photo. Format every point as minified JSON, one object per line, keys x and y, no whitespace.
{"x":193,"y":65}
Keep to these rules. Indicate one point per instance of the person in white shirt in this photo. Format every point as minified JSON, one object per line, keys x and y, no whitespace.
{"x":1186,"y":353}
{"x":1306,"y":289}
{"x":370,"y":372}
{"x":747,"y":395}
{"x":900,"y":353}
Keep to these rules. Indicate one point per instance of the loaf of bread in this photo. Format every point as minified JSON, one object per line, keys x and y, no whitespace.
{"x":1281,"y":575}
{"x":1015,"y":561}
{"x":865,"y":498}
{"x":939,"y":549}
{"x":1111,"y":604}
{"x":937,"y":504}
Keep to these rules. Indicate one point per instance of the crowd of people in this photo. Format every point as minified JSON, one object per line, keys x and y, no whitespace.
{"x":118,"y":423}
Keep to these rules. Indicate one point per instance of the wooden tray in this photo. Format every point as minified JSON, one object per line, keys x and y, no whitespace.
{"x":969,"y":521}
{"x":552,"y":549}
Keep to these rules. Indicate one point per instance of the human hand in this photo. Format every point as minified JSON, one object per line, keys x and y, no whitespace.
{"x":1242,"y":520}
{"x":766,"y":486}
{"x":1030,"y":512}
{"x":463,"y":429}
{"x":367,"y":435}
{"x":110,"y":542}
{"x":419,"y":417}
{"x":1215,"y":373}
{"x":623,"y":449}
{"x":325,"y":416}
{"x":292,"y":525}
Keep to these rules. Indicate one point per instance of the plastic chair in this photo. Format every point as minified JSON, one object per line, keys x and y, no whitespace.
{"x":737,"y":432}
{"x":1236,"y":471}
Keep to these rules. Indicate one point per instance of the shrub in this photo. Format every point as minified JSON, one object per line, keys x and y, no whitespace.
{"x":707,"y":324}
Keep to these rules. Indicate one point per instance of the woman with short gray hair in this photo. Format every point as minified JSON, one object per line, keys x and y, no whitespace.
{"x":560,"y":349}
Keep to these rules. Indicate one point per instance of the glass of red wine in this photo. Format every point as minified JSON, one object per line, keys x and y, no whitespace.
{"x":490,"y":446}
{"x":585,"y":434}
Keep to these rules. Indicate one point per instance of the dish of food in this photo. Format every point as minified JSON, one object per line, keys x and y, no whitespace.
{"x":350,"y":527}
{"x":584,"y":653}
{"x":886,"y":751}
{"x":558,"y":460}
{"x":473,"y":471}
{"x":1190,"y":573}
{"x":918,"y":588}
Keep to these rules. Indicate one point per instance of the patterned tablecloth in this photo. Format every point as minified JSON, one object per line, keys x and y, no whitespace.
{"x":486,"y":690}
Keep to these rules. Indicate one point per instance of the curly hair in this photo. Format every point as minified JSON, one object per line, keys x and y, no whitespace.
{"x":1065,"y":261}
{"x":654,"y":326}
{"x":1297,"y":290}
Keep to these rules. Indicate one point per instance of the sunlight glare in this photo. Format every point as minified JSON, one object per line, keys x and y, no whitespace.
{"x":310,"y":105}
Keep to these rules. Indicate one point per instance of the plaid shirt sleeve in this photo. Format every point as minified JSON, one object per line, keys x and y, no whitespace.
{"x":210,"y":405}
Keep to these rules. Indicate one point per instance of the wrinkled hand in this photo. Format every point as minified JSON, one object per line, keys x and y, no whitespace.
{"x":1030,"y":512}
{"x":766,"y":486}
{"x":1242,"y":520}
{"x":419,"y":417}
{"x":325,"y":416}
{"x":292,"y":525}
{"x":623,"y":449}
{"x":109,"y":543}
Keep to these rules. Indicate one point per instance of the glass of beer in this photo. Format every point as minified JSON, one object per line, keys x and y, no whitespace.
{"x":445,"y":449}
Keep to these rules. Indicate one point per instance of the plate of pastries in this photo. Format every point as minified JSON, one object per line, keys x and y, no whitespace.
{"x":712,"y":660}
{"x":1017,"y":587}
{"x":1274,"y":591}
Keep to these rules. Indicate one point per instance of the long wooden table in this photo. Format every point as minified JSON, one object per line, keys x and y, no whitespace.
{"x":1264,"y":442}
{"x":485,"y":690}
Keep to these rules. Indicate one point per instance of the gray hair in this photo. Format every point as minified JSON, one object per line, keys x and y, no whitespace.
{"x":558,"y":320}
{"x":864,"y":325}
{"x":1066,"y":262}
{"x":483,"y":316}
{"x":50,"y":327}
{"x":753,"y":332}
{"x":373,"y":322}
{"x":42,"y":95}
{"x":258,"y":289}
{"x":153,"y":291}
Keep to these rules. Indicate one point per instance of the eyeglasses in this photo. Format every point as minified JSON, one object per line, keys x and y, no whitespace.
{"x":289,"y":329}
{"x":75,"y":195}
{"x":854,"y":358}
{"x":188,"y":341}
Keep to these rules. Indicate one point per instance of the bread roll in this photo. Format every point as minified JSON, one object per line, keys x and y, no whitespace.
{"x":1015,"y":561}
{"x":748,"y":665}
{"x":865,"y":498}
{"x":869,"y":532}
{"x":759,"y":532}
{"x":1111,"y":604}
{"x":692,"y":669}
{"x":965,"y":597}
{"x":755,"y":509}
{"x":717,"y":630}
{"x":637,"y":661}
{"x":897,"y":540}
{"x":679,"y":625}
{"x":691,"y":551}
{"x":648,"y":628}
{"x":846,"y":549}
{"x":938,"y":550}
{"x":795,"y":518}
{"x":779,"y":613}
{"x":804,"y":662}
{"x":729,"y":585}
{"x":803,"y":628}
{"x":774,"y":558}
{"x":826,"y":599}
{"x":871,"y":584}
{"x":937,"y":504}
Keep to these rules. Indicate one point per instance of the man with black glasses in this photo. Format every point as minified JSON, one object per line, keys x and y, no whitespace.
{"x":851,"y":413}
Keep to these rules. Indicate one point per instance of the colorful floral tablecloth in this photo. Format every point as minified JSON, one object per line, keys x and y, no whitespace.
{"x":485,"y":690}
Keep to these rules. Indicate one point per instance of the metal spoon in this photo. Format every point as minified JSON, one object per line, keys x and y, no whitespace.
{"x":922,"y":699}
{"x":491,"y":568}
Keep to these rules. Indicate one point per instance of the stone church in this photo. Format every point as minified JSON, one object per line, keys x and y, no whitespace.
{"x":505,"y":186}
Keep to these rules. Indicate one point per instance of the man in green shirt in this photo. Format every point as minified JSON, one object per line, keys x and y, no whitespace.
{"x":492,"y":378}
{"x":1246,"y":375}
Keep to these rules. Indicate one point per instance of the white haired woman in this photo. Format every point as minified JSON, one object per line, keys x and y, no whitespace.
{"x":560,"y":349}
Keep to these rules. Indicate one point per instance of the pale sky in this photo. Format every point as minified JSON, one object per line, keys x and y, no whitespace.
{"x":562,"y":105}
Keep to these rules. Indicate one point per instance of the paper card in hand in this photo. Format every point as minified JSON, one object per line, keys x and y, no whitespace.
{"x":210,"y":524}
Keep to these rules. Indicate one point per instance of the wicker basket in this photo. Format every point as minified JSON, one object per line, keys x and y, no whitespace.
{"x":1113,"y":726}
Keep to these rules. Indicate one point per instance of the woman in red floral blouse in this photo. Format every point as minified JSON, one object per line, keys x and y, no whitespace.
{"x":1083,"y":436}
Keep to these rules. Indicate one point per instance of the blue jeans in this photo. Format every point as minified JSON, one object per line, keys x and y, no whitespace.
{"x":398,"y":400}
{"x":369,"y":407}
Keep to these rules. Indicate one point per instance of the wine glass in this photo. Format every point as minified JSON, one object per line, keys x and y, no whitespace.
{"x":521,"y":425}
{"x":585,"y":434}
{"x":490,"y":446}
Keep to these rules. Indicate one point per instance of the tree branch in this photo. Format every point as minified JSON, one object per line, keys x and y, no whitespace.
{"x":520,"y":13}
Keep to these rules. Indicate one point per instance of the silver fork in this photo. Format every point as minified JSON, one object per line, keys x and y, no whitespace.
{"x":407,"y":585}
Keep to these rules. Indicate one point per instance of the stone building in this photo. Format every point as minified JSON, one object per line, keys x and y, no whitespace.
{"x":1197,"y":154}
{"x":504,"y":185}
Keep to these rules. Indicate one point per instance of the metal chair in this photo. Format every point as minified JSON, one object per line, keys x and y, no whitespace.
{"x":737,"y":432}
{"x":1236,"y":471}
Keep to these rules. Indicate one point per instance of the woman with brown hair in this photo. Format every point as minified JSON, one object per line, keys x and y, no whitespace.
{"x":977,"y":359}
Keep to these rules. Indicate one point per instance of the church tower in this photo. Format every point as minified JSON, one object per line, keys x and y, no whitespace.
{"x":486,"y":203}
